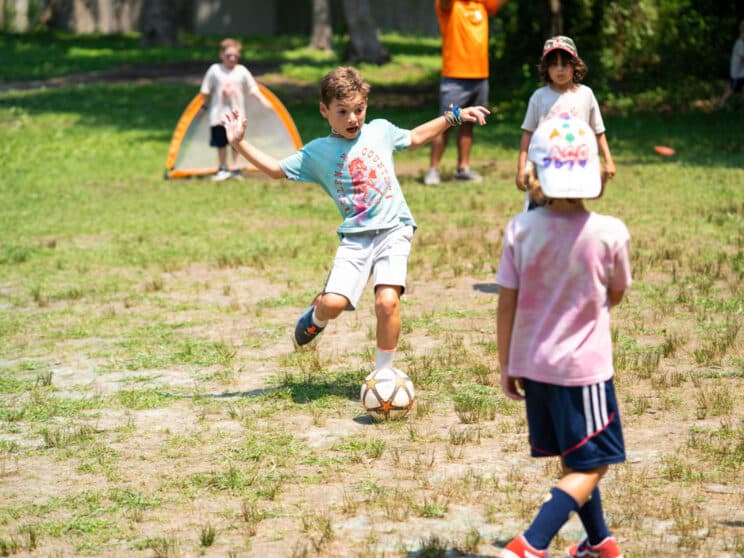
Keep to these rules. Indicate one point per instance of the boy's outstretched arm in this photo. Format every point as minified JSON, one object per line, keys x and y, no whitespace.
{"x":235,"y":126}
{"x":427,"y":131}
{"x":504,"y":323}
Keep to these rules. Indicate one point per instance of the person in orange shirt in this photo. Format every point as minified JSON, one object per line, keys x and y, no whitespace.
{"x":464,"y":28}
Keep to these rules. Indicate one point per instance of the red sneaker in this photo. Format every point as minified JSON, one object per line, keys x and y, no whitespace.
{"x":606,"y":549}
{"x":520,"y":548}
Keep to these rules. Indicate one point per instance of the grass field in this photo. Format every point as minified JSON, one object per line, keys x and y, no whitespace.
{"x":152,"y":404}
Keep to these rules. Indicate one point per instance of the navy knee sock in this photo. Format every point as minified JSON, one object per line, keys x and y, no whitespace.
{"x":592,"y":517}
{"x":551,"y":517}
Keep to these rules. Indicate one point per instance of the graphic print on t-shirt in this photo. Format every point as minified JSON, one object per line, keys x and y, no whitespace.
{"x":370,"y":184}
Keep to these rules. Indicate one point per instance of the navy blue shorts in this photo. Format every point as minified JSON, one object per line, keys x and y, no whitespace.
{"x":736,"y":84}
{"x":218,"y":137}
{"x":580,"y":424}
{"x":462,"y":92}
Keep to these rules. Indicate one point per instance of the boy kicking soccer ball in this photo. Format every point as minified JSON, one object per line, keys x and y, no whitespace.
{"x":354,"y":165}
{"x":562,"y":268}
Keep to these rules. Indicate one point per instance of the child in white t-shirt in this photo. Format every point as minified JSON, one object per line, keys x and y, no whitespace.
{"x":562,"y":268}
{"x":562,"y":71}
{"x":225,"y":86}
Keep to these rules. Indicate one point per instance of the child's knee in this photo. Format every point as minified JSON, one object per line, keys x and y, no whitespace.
{"x":330,"y":305}
{"x":598,"y":471}
{"x":387,"y":300}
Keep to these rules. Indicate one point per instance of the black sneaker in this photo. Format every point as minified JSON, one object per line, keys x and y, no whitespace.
{"x":306,"y":330}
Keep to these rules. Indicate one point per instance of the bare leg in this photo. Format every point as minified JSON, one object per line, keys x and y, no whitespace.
{"x":329,"y":306}
{"x":580,"y":484}
{"x":222,"y":156}
{"x":438,"y":145}
{"x":387,"y":310}
{"x":464,"y":145}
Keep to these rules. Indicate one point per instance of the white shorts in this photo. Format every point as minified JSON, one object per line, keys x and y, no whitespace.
{"x":382,"y":254}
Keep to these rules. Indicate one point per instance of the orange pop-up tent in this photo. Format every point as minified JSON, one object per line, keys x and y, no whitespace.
{"x":272,"y":130}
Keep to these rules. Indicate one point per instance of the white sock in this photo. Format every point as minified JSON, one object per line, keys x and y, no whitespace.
{"x":384,"y":359}
{"x":316,"y":321}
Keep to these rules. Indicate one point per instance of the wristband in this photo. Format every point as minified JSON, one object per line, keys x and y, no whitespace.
{"x":453,"y":116}
{"x":456,"y":113}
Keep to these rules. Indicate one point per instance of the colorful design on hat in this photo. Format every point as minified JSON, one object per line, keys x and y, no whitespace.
{"x":564,"y":151}
{"x":565,"y":148}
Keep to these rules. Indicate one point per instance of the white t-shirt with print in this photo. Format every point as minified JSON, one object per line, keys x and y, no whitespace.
{"x":227,"y":90}
{"x":579,"y":102}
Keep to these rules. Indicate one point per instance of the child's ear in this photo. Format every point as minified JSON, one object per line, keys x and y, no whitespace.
{"x":323,"y":110}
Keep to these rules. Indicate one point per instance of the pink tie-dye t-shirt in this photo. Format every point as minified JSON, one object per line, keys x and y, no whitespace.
{"x":562,"y":264}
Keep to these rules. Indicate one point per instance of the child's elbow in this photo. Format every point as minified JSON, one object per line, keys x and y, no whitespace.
{"x":615,"y":297}
{"x":416,"y":141}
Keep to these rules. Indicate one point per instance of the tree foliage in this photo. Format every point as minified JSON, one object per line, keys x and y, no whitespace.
{"x":629,"y":45}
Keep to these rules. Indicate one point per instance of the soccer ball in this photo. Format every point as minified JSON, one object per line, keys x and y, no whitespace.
{"x":387,"y":393}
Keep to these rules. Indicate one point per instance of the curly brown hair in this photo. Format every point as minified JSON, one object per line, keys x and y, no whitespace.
{"x":579,"y":66}
{"x":533,"y":184}
{"x":342,"y":83}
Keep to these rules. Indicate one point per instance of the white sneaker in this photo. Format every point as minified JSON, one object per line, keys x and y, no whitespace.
{"x":237,"y":174}
{"x":221,"y":175}
{"x":432,"y":177}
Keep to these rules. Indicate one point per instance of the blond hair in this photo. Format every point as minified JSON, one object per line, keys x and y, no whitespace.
{"x":342,"y":83}
{"x":230,"y":43}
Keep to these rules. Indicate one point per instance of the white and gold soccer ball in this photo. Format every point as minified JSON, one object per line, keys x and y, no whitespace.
{"x":387,"y":393}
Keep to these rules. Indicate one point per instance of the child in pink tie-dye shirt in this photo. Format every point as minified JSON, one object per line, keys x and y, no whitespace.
{"x":562,"y":269}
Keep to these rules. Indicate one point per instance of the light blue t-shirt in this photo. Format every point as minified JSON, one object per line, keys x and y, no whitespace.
{"x":358,"y":174}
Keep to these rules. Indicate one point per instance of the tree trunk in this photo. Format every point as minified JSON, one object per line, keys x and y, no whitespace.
{"x":320,"y":39}
{"x":364,"y":44}
{"x":159,"y":27}
{"x":553,"y":21}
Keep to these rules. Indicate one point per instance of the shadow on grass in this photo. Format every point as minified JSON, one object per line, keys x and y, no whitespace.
{"x":225,"y":394}
{"x":300,"y":387}
{"x":307,"y":387}
{"x":489,"y":288}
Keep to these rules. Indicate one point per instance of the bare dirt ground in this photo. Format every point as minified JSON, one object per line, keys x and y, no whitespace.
{"x":421,"y":486}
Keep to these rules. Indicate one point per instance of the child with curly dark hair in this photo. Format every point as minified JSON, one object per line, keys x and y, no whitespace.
{"x":562,"y":70}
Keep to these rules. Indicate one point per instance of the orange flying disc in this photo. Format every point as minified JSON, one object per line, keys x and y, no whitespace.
{"x":664,"y":150}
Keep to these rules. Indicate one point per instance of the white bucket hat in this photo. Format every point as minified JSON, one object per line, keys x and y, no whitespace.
{"x":564,"y":151}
